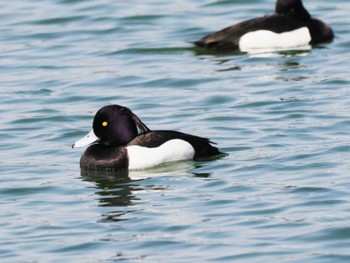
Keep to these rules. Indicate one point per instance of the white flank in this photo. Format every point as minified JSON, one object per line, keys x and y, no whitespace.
{"x":264,"y":39}
{"x":170,"y":151}
{"x":88,"y":139}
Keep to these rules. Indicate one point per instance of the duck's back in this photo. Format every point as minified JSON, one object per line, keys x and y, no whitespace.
{"x":230,"y":37}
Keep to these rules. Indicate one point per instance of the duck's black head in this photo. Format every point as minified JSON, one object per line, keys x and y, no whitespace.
{"x":116,"y":125}
{"x":293,"y":9}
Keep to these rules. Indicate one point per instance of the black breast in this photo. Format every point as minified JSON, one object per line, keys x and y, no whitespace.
{"x":101,"y":157}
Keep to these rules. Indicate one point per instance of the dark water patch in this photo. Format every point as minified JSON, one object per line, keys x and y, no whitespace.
{"x":331,"y":235}
{"x":321,"y":203}
{"x":35,"y":120}
{"x":149,"y":51}
{"x":71,"y":1}
{"x":59,"y":20}
{"x":141,"y":18}
{"x":19,"y":192}
{"x":304,"y":190}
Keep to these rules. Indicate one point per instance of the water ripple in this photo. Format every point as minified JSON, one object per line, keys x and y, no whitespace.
{"x":280,"y":193}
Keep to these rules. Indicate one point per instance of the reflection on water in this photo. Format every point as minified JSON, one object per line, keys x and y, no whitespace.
{"x":113,"y":188}
{"x":179,"y":168}
{"x":277,"y":52}
{"x":119,"y":188}
{"x":217,"y":53}
{"x":276,"y":61}
{"x":257,"y":53}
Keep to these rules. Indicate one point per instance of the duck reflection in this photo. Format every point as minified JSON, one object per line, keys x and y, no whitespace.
{"x":259,"y":53}
{"x":119,"y":189}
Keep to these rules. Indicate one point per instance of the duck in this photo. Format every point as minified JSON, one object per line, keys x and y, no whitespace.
{"x":119,"y":140}
{"x":290,"y":26}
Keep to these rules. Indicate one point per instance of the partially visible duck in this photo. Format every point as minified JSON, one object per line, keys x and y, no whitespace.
{"x":290,"y":26}
{"x":119,"y":140}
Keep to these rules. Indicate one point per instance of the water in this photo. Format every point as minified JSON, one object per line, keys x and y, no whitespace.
{"x":281,"y":194}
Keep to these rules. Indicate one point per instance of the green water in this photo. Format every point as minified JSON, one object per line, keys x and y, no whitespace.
{"x":280,"y":195}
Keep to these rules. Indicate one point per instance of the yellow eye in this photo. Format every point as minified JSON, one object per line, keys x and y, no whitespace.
{"x":104,"y":124}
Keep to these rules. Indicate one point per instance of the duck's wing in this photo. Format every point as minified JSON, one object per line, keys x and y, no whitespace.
{"x":203,"y":146}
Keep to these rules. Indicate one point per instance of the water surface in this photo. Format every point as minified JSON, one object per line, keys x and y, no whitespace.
{"x":281,"y":194}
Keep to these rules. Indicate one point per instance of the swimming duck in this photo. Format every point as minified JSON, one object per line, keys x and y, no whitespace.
{"x":119,"y":140}
{"x":290,"y":26}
